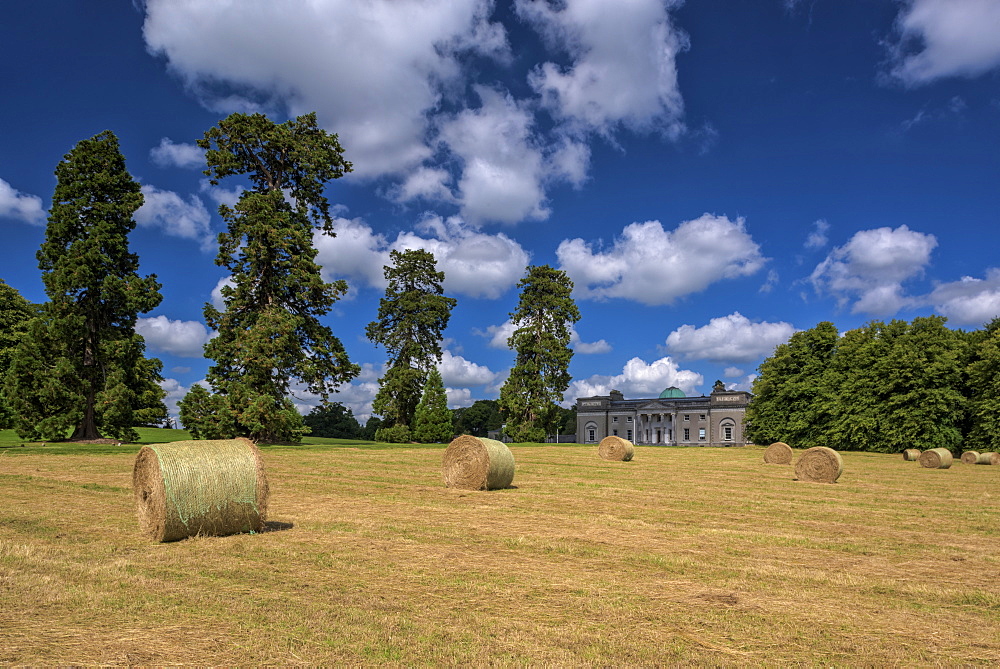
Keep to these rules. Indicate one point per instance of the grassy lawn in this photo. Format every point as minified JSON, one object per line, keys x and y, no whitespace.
{"x":680,"y":557}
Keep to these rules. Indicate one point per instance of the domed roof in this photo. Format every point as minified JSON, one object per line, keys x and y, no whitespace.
{"x":671,"y":393}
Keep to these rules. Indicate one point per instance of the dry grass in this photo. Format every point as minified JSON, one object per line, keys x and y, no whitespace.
{"x":684,"y":557}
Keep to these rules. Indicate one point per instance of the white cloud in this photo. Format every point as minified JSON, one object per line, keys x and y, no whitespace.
{"x":499,"y":334}
{"x":732,"y":372}
{"x":650,"y":265}
{"x":182,"y":338}
{"x":638,"y":379}
{"x":457,"y":371}
{"x":588,"y":348}
{"x":946,"y":38}
{"x":502,"y":169}
{"x":217,"y":299}
{"x":623,"y":70}
{"x":167,"y":210}
{"x":732,"y":338}
{"x":474,"y":264}
{"x":356,"y":395}
{"x":872,"y":267}
{"x":817,"y":238}
{"x":374,"y":71}
{"x":175,"y":393}
{"x":969,"y":301}
{"x":24,"y":207}
{"x":168,"y":154}
{"x":458,"y":397}
{"x":424,"y":183}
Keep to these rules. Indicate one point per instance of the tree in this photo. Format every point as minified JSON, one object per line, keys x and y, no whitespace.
{"x":478,"y":419}
{"x":540,"y":375}
{"x":15,"y":312}
{"x":411,"y":318}
{"x":794,"y":394}
{"x":333,"y":420}
{"x":269,"y":330}
{"x":81,"y":366}
{"x":205,"y":415}
{"x":983,"y":389}
{"x":432,"y":420}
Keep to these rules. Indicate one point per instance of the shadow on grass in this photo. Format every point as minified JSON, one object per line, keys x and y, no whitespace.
{"x":277,"y":526}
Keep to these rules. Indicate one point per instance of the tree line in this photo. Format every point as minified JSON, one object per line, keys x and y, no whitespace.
{"x":883,"y":387}
{"x":74,"y":366}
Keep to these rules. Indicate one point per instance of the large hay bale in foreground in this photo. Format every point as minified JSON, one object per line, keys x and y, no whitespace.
{"x":819,"y":464}
{"x":778,"y":453}
{"x":477,"y":463}
{"x":936,"y":458}
{"x":970,"y":457}
{"x":911,"y":454}
{"x":616,"y":448}
{"x":211,"y":487}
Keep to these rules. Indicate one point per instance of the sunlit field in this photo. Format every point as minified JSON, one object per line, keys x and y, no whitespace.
{"x":681,"y":557}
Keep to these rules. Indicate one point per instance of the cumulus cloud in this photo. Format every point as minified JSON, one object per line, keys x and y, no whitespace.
{"x":654,"y":266}
{"x":871,"y":268}
{"x":623,"y":70}
{"x":175,"y":392}
{"x":732,"y":338}
{"x":637,"y":379}
{"x":21,"y":206}
{"x":168,"y":211}
{"x":168,"y":154}
{"x":499,"y":334}
{"x":969,"y":301}
{"x":356,"y":395}
{"x":217,"y":299}
{"x":817,"y":238}
{"x":945,"y":38}
{"x":475,"y":264}
{"x":182,"y":338}
{"x":404,"y":54}
{"x":457,"y":371}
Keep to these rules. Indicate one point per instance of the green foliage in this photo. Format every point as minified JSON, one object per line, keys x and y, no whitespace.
{"x":82,"y":367}
{"x":432,"y":421}
{"x":206,"y":415}
{"x":269,"y":329}
{"x":478,"y":419}
{"x":372,"y":426}
{"x":983,"y":374}
{"x":334,"y":420}
{"x":15,"y":312}
{"x":411,"y":318}
{"x":540,"y":375}
{"x":394,"y":434}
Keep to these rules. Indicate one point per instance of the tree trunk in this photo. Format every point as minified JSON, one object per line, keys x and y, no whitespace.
{"x":87,"y":429}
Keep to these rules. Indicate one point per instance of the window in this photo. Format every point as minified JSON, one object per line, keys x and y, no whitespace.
{"x":701,"y":434}
{"x":701,"y":416}
{"x":591,"y":436}
{"x":614,"y":419}
{"x":687,"y":434}
{"x":727,"y":433}
{"x":687,"y":416}
{"x":629,"y":437}
{"x":629,"y":419}
{"x":614,"y":433}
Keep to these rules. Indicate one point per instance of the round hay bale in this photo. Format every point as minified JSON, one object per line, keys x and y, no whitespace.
{"x":911,"y":454}
{"x":819,"y":464}
{"x":616,"y":448}
{"x":985,"y":459}
{"x":970,"y":457}
{"x":477,"y":463}
{"x":778,"y":453}
{"x":936,"y":458}
{"x":994,"y":458}
{"x":210,"y":487}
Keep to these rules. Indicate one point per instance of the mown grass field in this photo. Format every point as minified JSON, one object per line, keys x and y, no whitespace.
{"x":680,"y":557}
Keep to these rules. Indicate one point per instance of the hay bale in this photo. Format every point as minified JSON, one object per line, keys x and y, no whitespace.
{"x":985,"y":459}
{"x":819,"y":464}
{"x":209,"y":487}
{"x":970,"y":457}
{"x":911,"y":454}
{"x":477,"y":463}
{"x":616,"y":448}
{"x":936,"y":458}
{"x":778,"y":453}
{"x":994,"y":458}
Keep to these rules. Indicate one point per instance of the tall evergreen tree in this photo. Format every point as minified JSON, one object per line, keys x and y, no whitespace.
{"x":82,"y":367}
{"x":411,"y":319}
{"x":540,"y":375}
{"x":15,"y":312}
{"x":204,"y":415}
{"x":795,"y":393}
{"x":432,"y":419}
{"x":269,"y":329}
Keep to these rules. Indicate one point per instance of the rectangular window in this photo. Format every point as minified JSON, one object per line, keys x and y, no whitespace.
{"x":701,"y":416}
{"x":687,"y":416}
{"x":629,"y":437}
{"x":593,"y":437}
{"x":614,"y":419}
{"x":614,"y":433}
{"x":727,"y":433}
{"x":629,"y":419}
{"x":701,"y":434}
{"x":687,"y":434}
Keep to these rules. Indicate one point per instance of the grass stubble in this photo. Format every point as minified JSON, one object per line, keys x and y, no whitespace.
{"x":681,"y":557}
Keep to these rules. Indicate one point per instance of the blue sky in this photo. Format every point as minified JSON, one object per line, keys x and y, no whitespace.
{"x":713,"y":174}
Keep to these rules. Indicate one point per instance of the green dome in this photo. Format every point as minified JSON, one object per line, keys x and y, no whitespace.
{"x":671,"y":393}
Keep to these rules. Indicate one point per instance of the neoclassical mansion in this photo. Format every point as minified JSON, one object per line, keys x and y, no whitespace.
{"x":672,"y":419}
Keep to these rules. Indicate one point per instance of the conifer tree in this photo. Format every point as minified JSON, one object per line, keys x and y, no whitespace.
{"x":269,"y":330}
{"x":544,"y":316}
{"x":411,"y":319}
{"x":81,"y":366}
{"x":432,"y":420}
{"x":15,"y":312}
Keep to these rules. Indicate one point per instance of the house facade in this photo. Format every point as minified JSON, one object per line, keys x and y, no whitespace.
{"x":672,"y":419}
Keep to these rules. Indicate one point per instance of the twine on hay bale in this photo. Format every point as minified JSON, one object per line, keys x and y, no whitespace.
{"x":819,"y":464}
{"x":616,"y":448}
{"x":970,"y":457}
{"x":936,"y":458}
{"x":477,"y":463}
{"x":911,"y":454}
{"x":778,"y":453}
{"x":211,"y":487}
